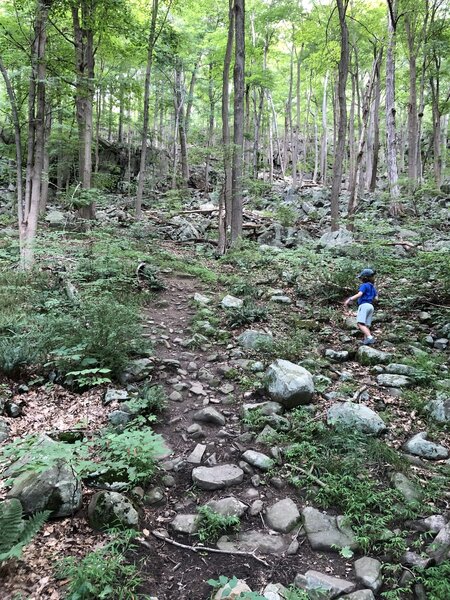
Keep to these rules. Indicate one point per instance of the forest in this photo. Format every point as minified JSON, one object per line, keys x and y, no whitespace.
{"x":202,"y":206}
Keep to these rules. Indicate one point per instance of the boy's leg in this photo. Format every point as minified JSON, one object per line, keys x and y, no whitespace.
{"x":365,"y":330}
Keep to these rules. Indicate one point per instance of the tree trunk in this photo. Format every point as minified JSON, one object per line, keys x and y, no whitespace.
{"x":28,"y":210}
{"x":391,"y":151}
{"x":296,"y":174}
{"x":339,"y":148}
{"x":226,"y":195}
{"x":324,"y":142}
{"x":85,"y":65}
{"x":238,"y":126}
{"x":210,"y":135}
{"x":148,"y":73}
{"x":190,"y":99}
{"x":45,"y":164}
{"x":375,"y":126}
{"x":413,"y":121}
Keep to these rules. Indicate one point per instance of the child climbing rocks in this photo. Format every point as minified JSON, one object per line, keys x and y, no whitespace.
{"x":366,"y":296}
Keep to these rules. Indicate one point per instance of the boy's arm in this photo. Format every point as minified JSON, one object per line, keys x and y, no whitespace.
{"x":355,"y":297}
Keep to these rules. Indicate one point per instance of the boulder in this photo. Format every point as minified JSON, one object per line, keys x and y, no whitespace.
{"x":258,"y":460}
{"x":355,"y":416}
{"x":115,"y":395}
{"x":439,"y":408}
{"x":420,"y":446}
{"x":368,"y":572}
{"x":255,"y":541}
{"x":323,"y":587}
{"x":337,"y":355}
{"x":186,"y":524}
{"x":395,"y":381}
{"x":326,"y":532}
{"x":108,"y":510}
{"x":283,"y":516}
{"x":209,"y":415}
{"x":408,"y":489}
{"x":251,"y":339}
{"x":56,"y":488}
{"x":367,"y":355}
{"x":217,"y":477}
{"x":137,"y":370}
{"x":289,"y":384}
{"x":336,"y":239}
{"x":228,"y":507}
{"x":231,"y":302}
{"x":360,"y":595}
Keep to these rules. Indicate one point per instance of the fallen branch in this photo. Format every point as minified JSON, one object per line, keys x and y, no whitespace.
{"x":197,"y":241}
{"x":197,"y":549}
{"x":319,"y":482}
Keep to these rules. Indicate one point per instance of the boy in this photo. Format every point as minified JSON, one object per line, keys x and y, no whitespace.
{"x":366,"y":296}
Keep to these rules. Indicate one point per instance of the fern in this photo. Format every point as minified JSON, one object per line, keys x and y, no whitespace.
{"x":17,"y":533}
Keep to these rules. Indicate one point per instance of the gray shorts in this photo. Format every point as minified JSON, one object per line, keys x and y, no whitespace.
{"x":365,"y":314}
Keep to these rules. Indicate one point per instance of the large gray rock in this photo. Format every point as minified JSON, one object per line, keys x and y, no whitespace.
{"x":258,"y":460}
{"x":255,"y":541}
{"x":355,"y":416}
{"x":439,"y":408}
{"x":326,"y":532}
{"x":115,"y":395}
{"x":251,"y":338}
{"x":323,"y":587}
{"x":368,"y":572}
{"x":187,"y":524}
{"x":337,"y":355}
{"x":228,"y":507}
{"x":336,"y":239}
{"x":289,"y":384}
{"x":218,"y":477}
{"x":395,"y":381}
{"x":56,"y":488}
{"x":231,"y":302}
{"x":367,"y":355}
{"x":283,"y":516}
{"x":55,"y":218}
{"x":420,"y":446}
{"x":400,"y":369}
{"x":108,"y":510}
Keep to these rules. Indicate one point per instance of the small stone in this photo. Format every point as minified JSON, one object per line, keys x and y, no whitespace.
{"x":266,"y":434}
{"x":12,"y":409}
{"x":327,"y":532}
{"x":175,"y":396}
{"x":360,"y":595}
{"x":441,"y":344}
{"x":169,"y":481}
{"x":256,"y":507}
{"x":195,"y":457}
{"x":289,"y":384}
{"x":209,"y":415}
{"x":197,"y":389}
{"x":394,"y":381}
{"x":201,"y":299}
{"x":275,"y":591}
{"x":251,"y":339}
{"x":185,"y":524}
{"x":255,"y":541}
{"x":439,"y":408}
{"x":227,"y":388}
{"x":337,"y":355}
{"x":355,"y":416}
{"x":367,"y":355}
{"x":318,"y":585}
{"x":232,"y":593}
{"x":111,"y":509}
{"x":195,"y":431}
{"x":154,"y":496}
{"x":409,"y":490}
{"x":115,"y":395}
{"x":119,"y":418}
{"x":228,"y":507}
{"x":4,"y":430}
{"x":281,"y":299}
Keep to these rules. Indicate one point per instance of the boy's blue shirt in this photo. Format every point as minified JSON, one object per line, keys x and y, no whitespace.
{"x":369,"y":293}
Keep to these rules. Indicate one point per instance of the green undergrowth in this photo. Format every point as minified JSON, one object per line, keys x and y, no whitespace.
{"x":211,"y":525}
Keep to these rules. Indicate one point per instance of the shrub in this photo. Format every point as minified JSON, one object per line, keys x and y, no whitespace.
{"x":104,"y":573}
{"x":245,"y":315}
{"x":211,"y":525}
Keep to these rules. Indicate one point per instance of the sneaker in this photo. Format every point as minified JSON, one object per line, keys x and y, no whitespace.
{"x":369,"y":341}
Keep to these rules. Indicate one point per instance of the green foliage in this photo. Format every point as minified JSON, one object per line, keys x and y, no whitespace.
{"x":437,"y":581}
{"x":103,"y":573}
{"x":150,"y":401}
{"x":17,"y":533}
{"x":78,"y":197}
{"x":88,"y":378}
{"x":132,"y":455}
{"x":211,"y":525}
{"x":245,"y":315}
{"x":286,"y":215}
{"x":228,"y":586}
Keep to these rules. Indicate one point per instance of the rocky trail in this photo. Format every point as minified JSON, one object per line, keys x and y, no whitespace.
{"x":223,"y":457}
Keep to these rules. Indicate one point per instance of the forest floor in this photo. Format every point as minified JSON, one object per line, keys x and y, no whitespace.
{"x":213,"y":370}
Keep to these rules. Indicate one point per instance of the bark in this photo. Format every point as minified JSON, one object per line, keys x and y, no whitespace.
{"x":97,"y":131}
{"x":190,"y":98}
{"x":145,"y":120}
{"x":226,"y":195}
{"x":339,"y":148}
{"x":121,"y":112}
{"x":391,"y":151}
{"x":324,"y":141}
{"x":238,"y":125}
{"x":181,"y":117}
{"x":413,"y":121}
{"x":45,"y":164}
{"x":28,"y":210}
{"x":354,"y":176}
{"x":212,"y":104}
{"x":275,"y":127}
{"x":375,"y":126}
{"x":296,"y":133}
{"x":85,"y":68}
{"x":257,"y":116}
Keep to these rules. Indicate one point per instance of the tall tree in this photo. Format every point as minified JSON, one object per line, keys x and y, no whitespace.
{"x":339,"y":149}
{"x":238,"y":124}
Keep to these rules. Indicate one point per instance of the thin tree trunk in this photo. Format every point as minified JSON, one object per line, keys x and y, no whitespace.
{"x":190,"y":98}
{"x":148,"y":73}
{"x":210,"y":135}
{"x":376,"y":127}
{"x":97,"y":131}
{"x":413,"y":122}
{"x":121,"y":112}
{"x":339,"y":148}
{"x":226,"y":195}
{"x":275,"y":126}
{"x":238,"y":126}
{"x":296,"y":133}
{"x":45,"y":164}
{"x":324,"y":143}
